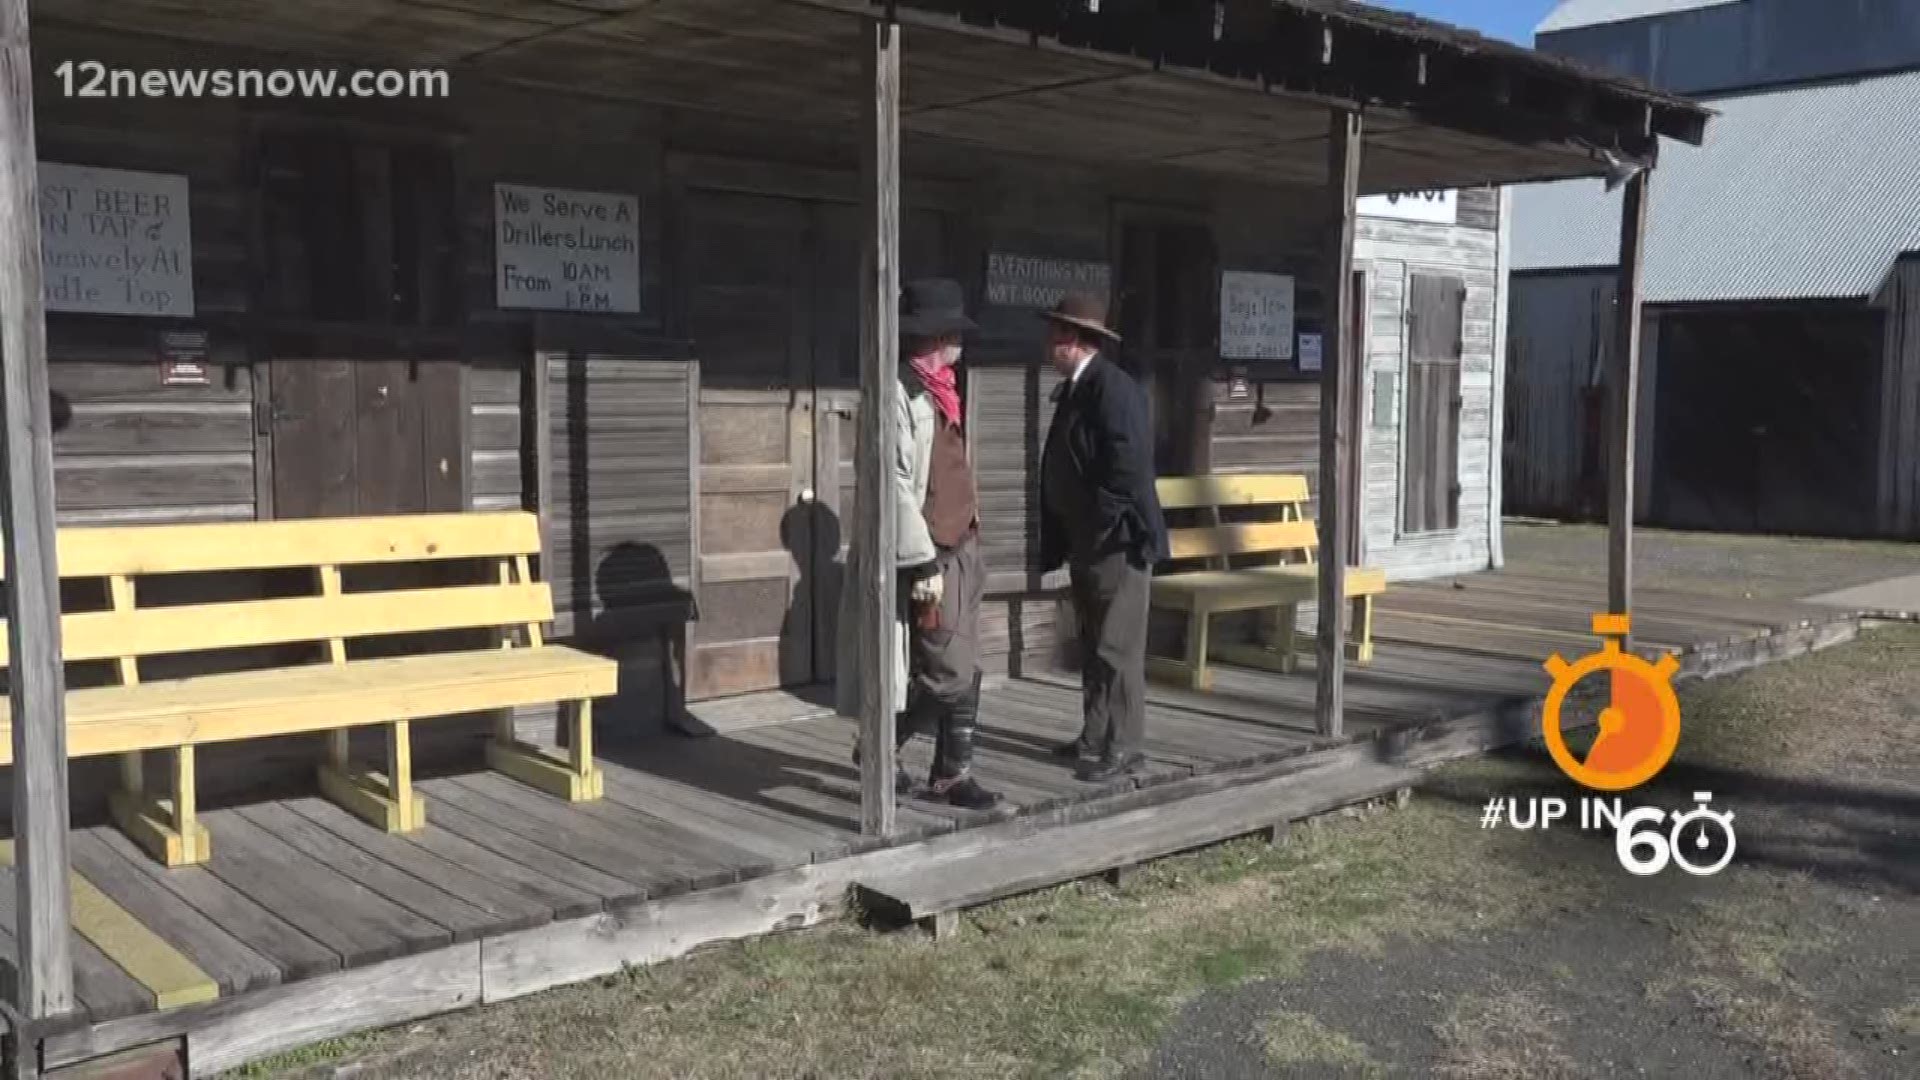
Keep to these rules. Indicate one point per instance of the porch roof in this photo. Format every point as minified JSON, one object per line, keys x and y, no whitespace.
{"x":1238,"y":89}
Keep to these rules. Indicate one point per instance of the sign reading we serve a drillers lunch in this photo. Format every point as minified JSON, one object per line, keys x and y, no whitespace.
{"x":558,"y":250}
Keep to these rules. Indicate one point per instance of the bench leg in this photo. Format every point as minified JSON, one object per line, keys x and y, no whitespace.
{"x":1360,"y":642}
{"x":1274,"y":652}
{"x":168,"y":828}
{"x":576,"y":779}
{"x":387,"y":802}
{"x":1199,"y":677}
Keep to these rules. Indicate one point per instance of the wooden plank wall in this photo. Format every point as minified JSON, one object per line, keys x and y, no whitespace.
{"x":1899,"y":499}
{"x":1391,"y":251}
{"x":137,"y":451}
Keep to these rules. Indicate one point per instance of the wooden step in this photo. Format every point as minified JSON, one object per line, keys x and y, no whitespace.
{"x":932,"y":895}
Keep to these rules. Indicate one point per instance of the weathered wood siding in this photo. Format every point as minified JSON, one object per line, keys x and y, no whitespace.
{"x":137,"y":451}
{"x":1391,"y":252}
{"x":1899,"y":501}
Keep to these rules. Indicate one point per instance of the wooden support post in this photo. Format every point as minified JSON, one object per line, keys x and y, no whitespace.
{"x":1343,"y":192}
{"x":1623,"y":388}
{"x":36,"y":681}
{"x":879,"y":347}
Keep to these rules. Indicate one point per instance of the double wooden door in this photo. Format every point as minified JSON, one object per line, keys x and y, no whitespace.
{"x":771,"y":303}
{"x":363,"y":429}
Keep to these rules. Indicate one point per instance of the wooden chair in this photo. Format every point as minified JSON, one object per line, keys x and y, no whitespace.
{"x":1278,"y":587}
{"x":331,"y":694}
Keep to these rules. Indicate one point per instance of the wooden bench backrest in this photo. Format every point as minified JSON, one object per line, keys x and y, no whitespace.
{"x":127,"y":631}
{"x":1294,"y":535}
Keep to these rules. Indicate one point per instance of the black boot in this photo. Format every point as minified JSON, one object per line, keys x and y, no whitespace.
{"x":953,"y":754}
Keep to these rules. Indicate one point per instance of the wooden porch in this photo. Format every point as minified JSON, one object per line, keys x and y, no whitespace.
{"x":307,"y":923}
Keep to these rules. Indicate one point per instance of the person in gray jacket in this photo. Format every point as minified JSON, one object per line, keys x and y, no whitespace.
{"x":937,"y":535}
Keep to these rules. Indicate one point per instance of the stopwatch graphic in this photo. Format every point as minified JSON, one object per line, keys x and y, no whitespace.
{"x":1702,"y":834}
{"x":1639,"y":727}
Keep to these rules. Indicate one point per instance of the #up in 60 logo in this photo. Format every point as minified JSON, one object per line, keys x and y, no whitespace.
{"x":1639,"y":731}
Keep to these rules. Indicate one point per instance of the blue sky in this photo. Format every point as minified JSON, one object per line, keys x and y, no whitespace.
{"x":1513,"y":20}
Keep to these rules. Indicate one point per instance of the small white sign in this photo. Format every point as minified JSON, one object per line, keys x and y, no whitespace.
{"x":1433,"y":207}
{"x":1312,"y":348}
{"x":1034,"y":281}
{"x":557,"y":250}
{"x":1256,"y":316}
{"x":114,"y":242}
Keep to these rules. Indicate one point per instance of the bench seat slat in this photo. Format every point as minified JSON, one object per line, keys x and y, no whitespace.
{"x":1259,"y":586}
{"x":134,"y":550}
{"x":155,"y":631}
{"x":321,"y":697}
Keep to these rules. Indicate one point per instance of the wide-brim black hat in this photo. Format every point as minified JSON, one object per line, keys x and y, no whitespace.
{"x":934,"y":307}
{"x":1083,"y":311}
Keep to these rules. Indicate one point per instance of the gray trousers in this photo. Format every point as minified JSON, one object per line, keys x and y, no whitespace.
{"x":944,"y":663}
{"x":1110,"y":596}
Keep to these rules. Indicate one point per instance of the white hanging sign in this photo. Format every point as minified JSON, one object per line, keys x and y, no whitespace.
{"x":557,"y":250}
{"x":1256,"y":316}
{"x":1432,"y":207}
{"x":114,"y":242}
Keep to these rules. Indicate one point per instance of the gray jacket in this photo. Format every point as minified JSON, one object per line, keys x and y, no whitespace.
{"x":913,"y":545}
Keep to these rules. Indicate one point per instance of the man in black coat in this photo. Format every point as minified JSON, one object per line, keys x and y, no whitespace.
{"x":1100,"y":516}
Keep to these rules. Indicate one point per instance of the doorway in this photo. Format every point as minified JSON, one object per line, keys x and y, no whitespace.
{"x":1767,"y":420}
{"x":357,"y":307}
{"x":1168,"y":314}
{"x":772,"y":307}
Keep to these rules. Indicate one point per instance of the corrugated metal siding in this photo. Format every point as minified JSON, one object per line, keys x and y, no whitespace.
{"x":1561,"y":331}
{"x":1573,"y":14}
{"x":1797,"y":194}
{"x":1718,"y":47}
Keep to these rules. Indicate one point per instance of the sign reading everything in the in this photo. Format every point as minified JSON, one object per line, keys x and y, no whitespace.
{"x":114,"y":242}
{"x":1433,"y":207}
{"x":1256,"y":316}
{"x":560,"y":250}
{"x":1031,"y":281}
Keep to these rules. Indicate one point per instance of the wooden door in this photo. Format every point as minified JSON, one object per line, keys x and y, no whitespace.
{"x":355,"y":437}
{"x":749,"y":314}
{"x":363,"y":411}
{"x":1167,"y":316}
{"x":1436,"y":311}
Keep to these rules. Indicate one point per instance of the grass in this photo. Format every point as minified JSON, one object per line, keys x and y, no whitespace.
{"x":1083,"y":980}
{"x":1506,"y":1036}
{"x":1297,"y":1043}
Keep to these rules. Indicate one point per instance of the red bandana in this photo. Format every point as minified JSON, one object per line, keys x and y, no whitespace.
{"x":940,"y":382}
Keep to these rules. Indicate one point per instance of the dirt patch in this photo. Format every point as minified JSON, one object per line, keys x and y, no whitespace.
{"x":1756,"y":567}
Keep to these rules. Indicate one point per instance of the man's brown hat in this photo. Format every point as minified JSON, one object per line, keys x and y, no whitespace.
{"x":1084,"y":311}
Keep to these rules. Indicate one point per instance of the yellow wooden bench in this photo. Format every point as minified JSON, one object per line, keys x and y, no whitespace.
{"x":1278,"y":587}
{"x":332,"y":694}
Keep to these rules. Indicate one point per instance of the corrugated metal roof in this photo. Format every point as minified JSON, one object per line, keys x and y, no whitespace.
{"x":1807,"y":193}
{"x":1574,"y":14}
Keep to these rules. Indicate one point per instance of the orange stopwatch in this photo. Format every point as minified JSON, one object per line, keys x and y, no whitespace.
{"x":1639,"y":727}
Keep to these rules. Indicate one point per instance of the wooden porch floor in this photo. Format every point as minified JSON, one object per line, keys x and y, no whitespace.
{"x":296,"y":888}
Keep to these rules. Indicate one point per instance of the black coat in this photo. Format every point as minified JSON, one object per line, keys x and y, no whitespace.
{"x":1100,"y":424}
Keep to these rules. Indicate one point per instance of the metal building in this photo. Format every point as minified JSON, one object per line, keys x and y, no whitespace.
{"x":1781,"y":387}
